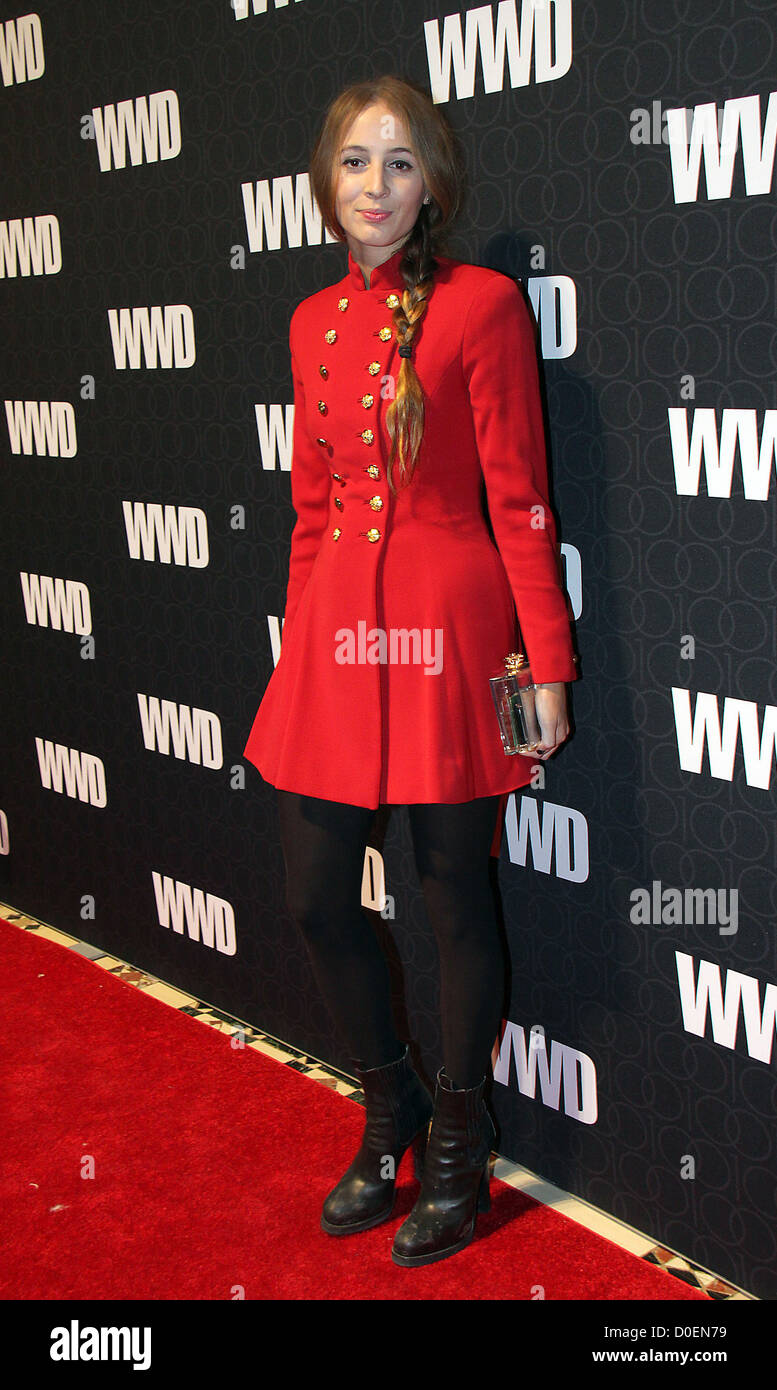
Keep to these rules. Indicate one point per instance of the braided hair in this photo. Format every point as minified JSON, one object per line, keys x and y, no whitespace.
{"x":405,"y":415}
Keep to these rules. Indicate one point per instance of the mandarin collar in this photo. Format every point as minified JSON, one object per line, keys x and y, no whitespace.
{"x":386,"y":276}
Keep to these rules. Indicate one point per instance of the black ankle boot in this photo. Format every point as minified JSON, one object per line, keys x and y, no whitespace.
{"x":399,"y":1108}
{"x":455,"y":1180}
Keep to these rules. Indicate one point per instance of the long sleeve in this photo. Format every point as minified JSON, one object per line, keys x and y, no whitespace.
{"x":310,"y":486}
{"x":500,"y":369}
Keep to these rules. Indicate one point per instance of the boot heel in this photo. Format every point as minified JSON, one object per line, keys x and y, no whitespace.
{"x":419,"y":1151}
{"x":454,"y":1187}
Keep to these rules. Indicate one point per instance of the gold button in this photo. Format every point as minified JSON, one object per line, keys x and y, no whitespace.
{"x":377,"y":504}
{"x":374,"y":368}
{"x":373,"y":471}
{"x":372,"y":535}
{"x":342,"y":305}
{"x":338,"y":477}
{"x":336,"y":534}
{"x":392,"y":301}
{"x":367,"y":436}
{"x":339,"y":504}
{"x":322,"y":407}
{"x":323,"y":371}
{"x":367,"y":401}
{"x":322,"y":442}
{"x":330,"y":335}
{"x":385,"y":333}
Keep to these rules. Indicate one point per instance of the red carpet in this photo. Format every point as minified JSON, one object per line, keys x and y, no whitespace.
{"x":210,"y":1166}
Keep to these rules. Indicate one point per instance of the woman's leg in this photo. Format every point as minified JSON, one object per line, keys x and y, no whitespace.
{"x":452,"y":844}
{"x":323,"y":847}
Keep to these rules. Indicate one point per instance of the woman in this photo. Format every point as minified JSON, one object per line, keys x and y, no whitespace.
{"x":415,"y":378}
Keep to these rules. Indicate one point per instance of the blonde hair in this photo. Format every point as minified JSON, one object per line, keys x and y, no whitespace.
{"x":441,"y":164}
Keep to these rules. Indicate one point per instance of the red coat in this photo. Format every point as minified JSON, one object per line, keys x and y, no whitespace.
{"x":375,"y":730}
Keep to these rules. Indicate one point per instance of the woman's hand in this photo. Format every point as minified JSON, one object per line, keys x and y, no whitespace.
{"x":550,"y":703}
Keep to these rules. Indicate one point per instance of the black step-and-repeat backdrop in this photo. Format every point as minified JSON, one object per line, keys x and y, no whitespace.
{"x":156,"y":232}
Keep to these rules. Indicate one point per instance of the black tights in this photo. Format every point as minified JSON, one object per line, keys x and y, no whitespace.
{"x":323,"y":846}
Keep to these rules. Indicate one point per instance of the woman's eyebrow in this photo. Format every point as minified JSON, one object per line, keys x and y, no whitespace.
{"x":398,"y":149}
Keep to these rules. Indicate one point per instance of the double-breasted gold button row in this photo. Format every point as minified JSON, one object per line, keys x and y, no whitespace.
{"x":372,"y":535}
{"x":371,"y":470}
{"x":392,"y":301}
{"x":372,"y":367}
{"x":383,"y":333}
{"x":375,"y":503}
{"x":367,"y":436}
{"x":367,"y":400}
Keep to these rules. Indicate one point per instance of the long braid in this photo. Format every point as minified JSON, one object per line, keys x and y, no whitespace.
{"x":405,"y":415}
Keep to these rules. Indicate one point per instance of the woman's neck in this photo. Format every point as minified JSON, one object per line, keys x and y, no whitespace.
{"x":367,"y":267}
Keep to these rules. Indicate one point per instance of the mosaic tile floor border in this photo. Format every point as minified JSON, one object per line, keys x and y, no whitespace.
{"x":569,"y":1205}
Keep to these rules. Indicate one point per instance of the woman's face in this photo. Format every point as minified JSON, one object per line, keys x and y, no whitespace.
{"x":379,"y":186}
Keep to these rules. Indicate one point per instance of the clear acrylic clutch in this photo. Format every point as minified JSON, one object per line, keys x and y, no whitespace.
{"x":513,"y":694}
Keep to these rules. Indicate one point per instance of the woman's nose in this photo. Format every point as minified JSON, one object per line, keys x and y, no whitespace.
{"x":375,"y":179}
